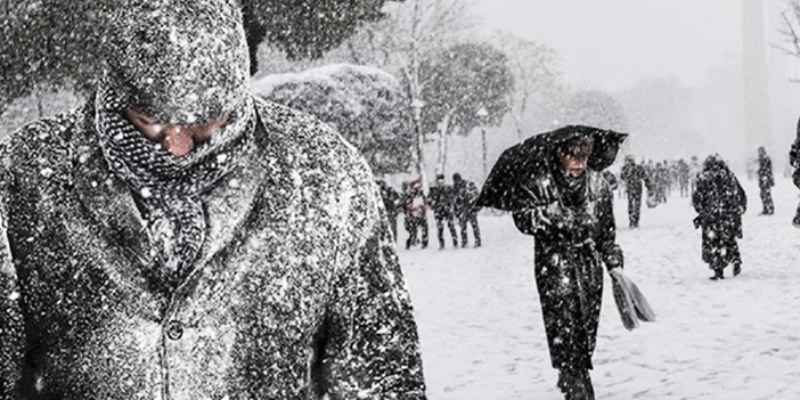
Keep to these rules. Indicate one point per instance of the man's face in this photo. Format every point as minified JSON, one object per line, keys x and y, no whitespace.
{"x":179,"y":140}
{"x":440,"y":182}
{"x":574,"y":165}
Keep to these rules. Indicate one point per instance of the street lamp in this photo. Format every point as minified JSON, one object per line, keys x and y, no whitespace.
{"x":482,"y":114}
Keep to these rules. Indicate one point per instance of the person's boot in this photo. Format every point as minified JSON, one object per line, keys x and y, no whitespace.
{"x":575,"y":384}
{"x":737,"y":268}
{"x":718,"y":274}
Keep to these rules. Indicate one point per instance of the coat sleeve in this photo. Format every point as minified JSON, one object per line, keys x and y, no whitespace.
{"x":371,"y":348}
{"x":12,"y":337}
{"x":610,"y":251}
{"x":741,"y":196}
{"x":794,"y":152}
{"x":698,"y":195}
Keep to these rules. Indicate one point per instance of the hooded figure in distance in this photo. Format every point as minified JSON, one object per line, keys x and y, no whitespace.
{"x":720,"y":202}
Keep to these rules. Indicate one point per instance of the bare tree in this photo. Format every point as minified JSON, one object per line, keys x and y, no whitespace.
{"x":412,"y":31}
{"x":537,"y":82}
{"x":791,"y":31}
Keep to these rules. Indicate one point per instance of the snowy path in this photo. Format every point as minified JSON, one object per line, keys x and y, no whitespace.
{"x":483,"y":338}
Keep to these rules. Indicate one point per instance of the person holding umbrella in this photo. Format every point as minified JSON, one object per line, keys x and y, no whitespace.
{"x":553,"y":184}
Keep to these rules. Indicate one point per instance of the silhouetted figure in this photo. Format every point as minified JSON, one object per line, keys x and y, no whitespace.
{"x":391,"y":202}
{"x":765,"y":181}
{"x":634,"y":177}
{"x":684,"y":172}
{"x":416,"y":215}
{"x":441,"y":200}
{"x":720,"y":202}
{"x":466,"y":192}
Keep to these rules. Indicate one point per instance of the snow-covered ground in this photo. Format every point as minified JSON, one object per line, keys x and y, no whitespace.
{"x":483,"y":337}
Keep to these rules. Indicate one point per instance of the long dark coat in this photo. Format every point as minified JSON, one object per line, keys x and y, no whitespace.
{"x":794,"y":157}
{"x":569,"y":271}
{"x":464,"y":195}
{"x":297,"y":292}
{"x":633,"y":175}
{"x":765,"y":178}
{"x":720,"y":202}
{"x":441,"y":200}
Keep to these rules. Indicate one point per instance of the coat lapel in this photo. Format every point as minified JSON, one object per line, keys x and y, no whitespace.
{"x":229,"y":205}
{"x":111,"y":207}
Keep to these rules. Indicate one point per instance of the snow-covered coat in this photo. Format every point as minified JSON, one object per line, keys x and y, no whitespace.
{"x":765,"y":177}
{"x":441,"y":199}
{"x":569,"y":270}
{"x":720,"y":202}
{"x":297,"y":291}
{"x":633,"y":175}
{"x":794,"y":157}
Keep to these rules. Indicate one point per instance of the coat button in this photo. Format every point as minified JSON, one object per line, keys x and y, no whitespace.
{"x":174,"y":330}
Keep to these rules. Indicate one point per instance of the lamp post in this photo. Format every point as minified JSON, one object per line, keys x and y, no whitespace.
{"x":417,"y":105}
{"x":482,"y":114}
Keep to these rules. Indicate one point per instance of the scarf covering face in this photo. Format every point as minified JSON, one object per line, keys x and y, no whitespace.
{"x":184,"y":63}
{"x":573,"y":190}
{"x":168,"y":187}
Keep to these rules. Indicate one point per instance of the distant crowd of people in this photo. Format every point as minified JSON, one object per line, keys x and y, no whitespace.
{"x":449,"y":204}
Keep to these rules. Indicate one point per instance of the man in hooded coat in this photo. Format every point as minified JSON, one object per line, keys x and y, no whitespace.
{"x":634,"y":177}
{"x":175,"y":238}
{"x":765,"y":181}
{"x":574,"y":236}
{"x":720,"y":202}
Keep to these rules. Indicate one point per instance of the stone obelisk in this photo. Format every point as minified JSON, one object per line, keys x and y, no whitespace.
{"x":756,"y":76}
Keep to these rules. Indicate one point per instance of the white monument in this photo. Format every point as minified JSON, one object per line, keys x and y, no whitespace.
{"x":756,"y":76}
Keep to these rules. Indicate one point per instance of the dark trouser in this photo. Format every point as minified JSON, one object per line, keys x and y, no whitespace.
{"x":413,"y":224}
{"x":634,"y":207}
{"x":684,"y":189}
{"x":393,"y":225}
{"x":451,"y":225}
{"x":766,"y":200}
{"x":720,"y":247}
{"x":576,"y":384}
{"x":472,"y":218}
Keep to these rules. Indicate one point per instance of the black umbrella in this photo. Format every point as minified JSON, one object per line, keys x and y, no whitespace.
{"x":504,"y":189}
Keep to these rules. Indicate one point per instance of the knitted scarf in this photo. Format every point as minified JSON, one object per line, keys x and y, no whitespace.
{"x":168,"y":188}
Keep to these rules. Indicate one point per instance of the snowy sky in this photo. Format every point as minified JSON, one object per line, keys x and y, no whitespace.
{"x":610,"y":44}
